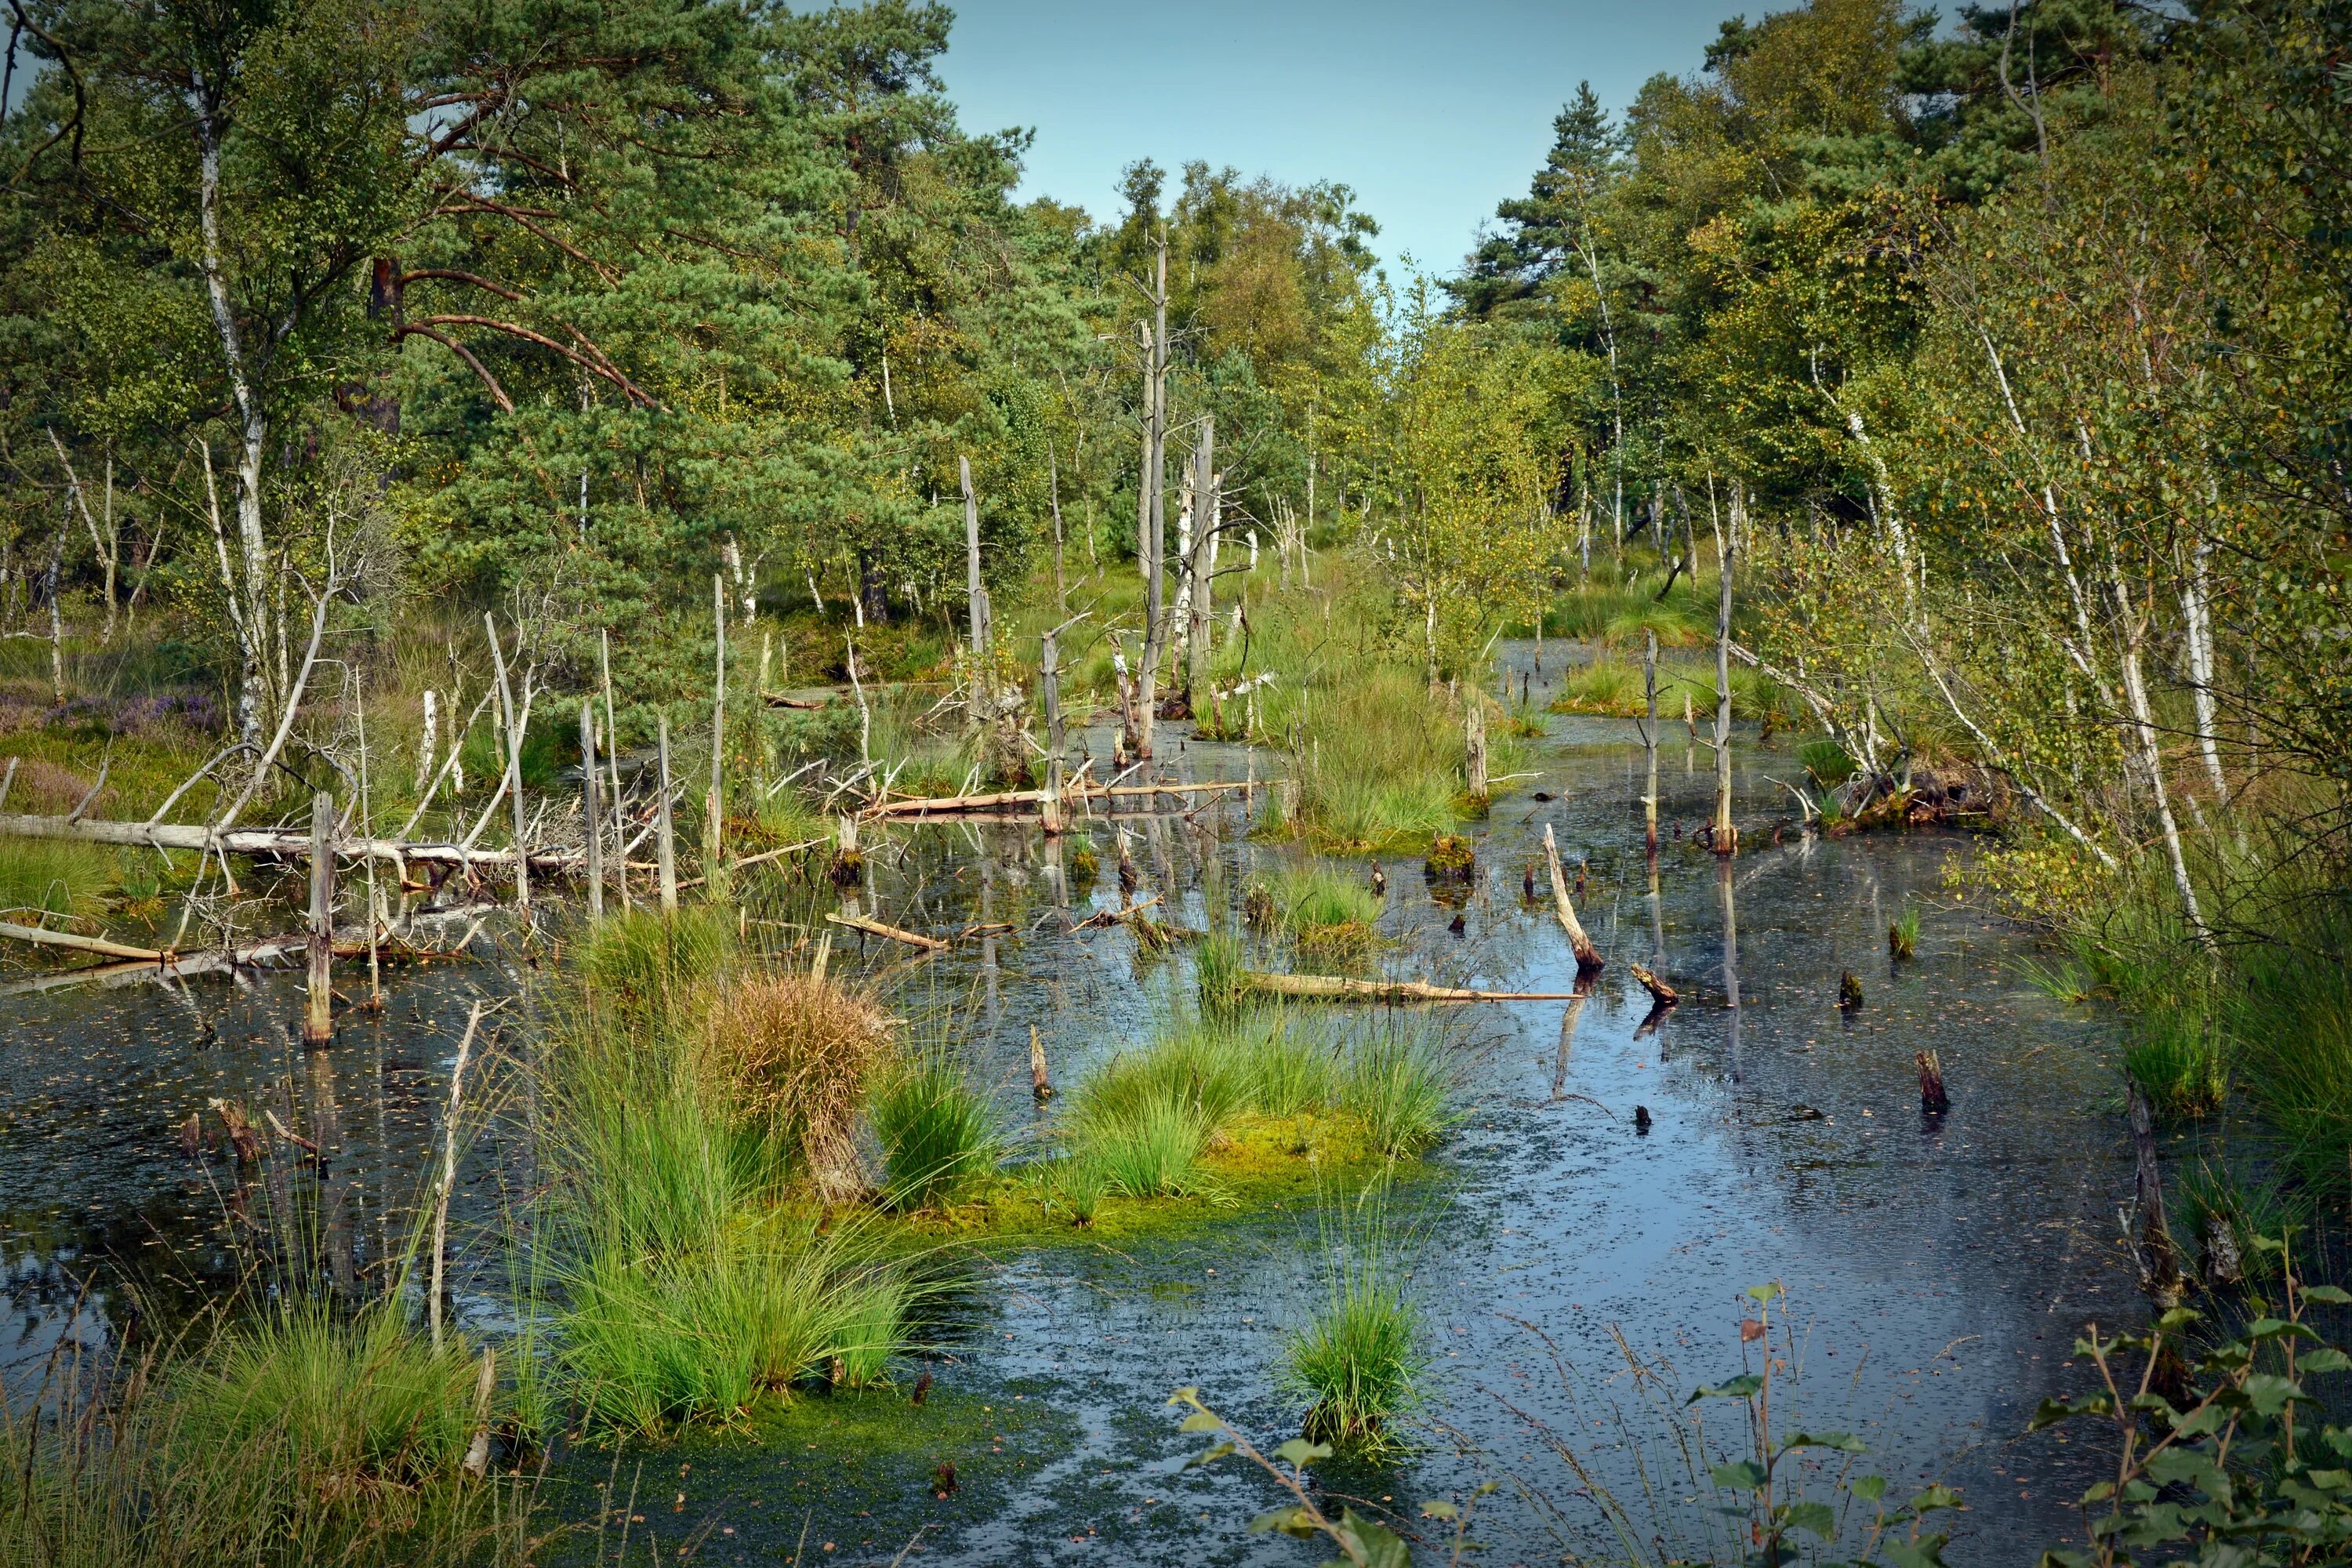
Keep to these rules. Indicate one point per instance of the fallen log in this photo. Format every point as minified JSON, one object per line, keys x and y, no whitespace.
{"x":269,"y":841}
{"x":1665,"y":994}
{"x":876,"y":928}
{"x":942,"y":805}
{"x":350,"y":942}
{"x":800,"y":704}
{"x":1341,"y":988}
{"x":1103,"y":920}
{"x":67,"y":939}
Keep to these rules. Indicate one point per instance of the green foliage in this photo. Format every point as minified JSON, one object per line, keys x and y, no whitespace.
{"x":1319,"y":906}
{"x":938,"y":1132}
{"x":645,"y":964}
{"x":1902,"y":934}
{"x":2236,"y":1448}
{"x":56,"y":877}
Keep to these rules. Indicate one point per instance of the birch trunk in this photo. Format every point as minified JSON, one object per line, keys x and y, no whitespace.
{"x":2129,"y":632}
{"x":1199,"y":564}
{"x":1726,"y":836}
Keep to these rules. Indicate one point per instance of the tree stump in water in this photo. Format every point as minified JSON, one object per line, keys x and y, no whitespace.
{"x":1932,"y":1097}
{"x":1451,"y":858}
{"x":1849,"y":992}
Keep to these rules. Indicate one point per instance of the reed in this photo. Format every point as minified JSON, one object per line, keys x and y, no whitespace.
{"x":1357,"y":1358}
{"x":1399,"y":1082}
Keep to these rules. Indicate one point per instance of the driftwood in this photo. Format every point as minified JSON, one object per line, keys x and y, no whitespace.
{"x":799,"y":704}
{"x":1340,"y":988}
{"x":1103,"y":920}
{"x":1665,"y":994}
{"x":67,"y":939}
{"x":876,"y":928}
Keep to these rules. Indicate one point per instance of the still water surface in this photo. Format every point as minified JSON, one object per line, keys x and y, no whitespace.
{"x":1937,"y":1268}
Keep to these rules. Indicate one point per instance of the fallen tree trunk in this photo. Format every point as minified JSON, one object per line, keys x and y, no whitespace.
{"x":269,"y":841}
{"x":946,"y":804}
{"x":350,"y":942}
{"x":1339,"y":987}
{"x":876,"y":928}
{"x":67,"y":939}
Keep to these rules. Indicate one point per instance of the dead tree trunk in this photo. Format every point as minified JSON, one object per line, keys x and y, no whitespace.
{"x":2160,"y":1259}
{"x":1155,"y":486}
{"x":592,"y":814}
{"x":1473,"y":745}
{"x":514,"y":723}
{"x":319,"y":1003}
{"x":1588,"y":957}
{"x":1726,"y":837}
{"x":1200,"y":567}
{"x":1650,"y":741}
{"x":1049,"y":689}
{"x":664,"y":834}
{"x":714,"y":815}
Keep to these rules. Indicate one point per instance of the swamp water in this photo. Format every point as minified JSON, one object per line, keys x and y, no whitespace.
{"x":1576,"y":1276}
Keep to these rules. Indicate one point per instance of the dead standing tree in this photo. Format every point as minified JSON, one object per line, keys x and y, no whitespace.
{"x":1151,"y":512}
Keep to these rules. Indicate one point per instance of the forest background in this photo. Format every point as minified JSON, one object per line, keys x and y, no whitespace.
{"x":2001,"y":358}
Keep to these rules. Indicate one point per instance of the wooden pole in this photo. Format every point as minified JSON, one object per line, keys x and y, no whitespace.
{"x":1650,"y":741}
{"x":714,"y":826}
{"x":319,"y":1009}
{"x":664,"y":834}
{"x":592,"y":813}
{"x":514,"y":767}
{"x":613,"y":761}
{"x":1588,"y":957}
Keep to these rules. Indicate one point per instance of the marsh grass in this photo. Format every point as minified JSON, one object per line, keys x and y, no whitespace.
{"x":1399,"y":1081}
{"x":1902,"y":934}
{"x":1319,"y":906}
{"x":1357,"y":1358}
{"x":1379,"y":760}
{"x":938,"y":1132}
{"x":2213,"y":1193}
{"x":684,"y":1102}
{"x":293,"y":1438}
{"x":57,"y":878}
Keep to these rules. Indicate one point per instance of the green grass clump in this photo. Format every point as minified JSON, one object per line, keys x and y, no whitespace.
{"x":1380,"y":761}
{"x":1080,"y":1184}
{"x":938,"y":1133}
{"x":645,"y":963}
{"x":1604,"y":685}
{"x":1219,"y":964}
{"x":1149,"y":1147}
{"x":56,"y":877}
{"x":1318,"y":906}
{"x":1903,"y":935}
{"x":2288,"y":1012}
{"x":2177,"y":1064}
{"x":1399,"y":1083}
{"x":1357,"y":1358}
{"x":1827,"y":762}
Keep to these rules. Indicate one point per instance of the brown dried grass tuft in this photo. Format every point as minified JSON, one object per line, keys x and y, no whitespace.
{"x":792,"y":1052}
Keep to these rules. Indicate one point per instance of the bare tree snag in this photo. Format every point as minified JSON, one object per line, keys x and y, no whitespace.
{"x":1588,"y":957}
{"x":319,"y":1002}
{"x":665,"y":832}
{"x":1660,"y":992}
{"x":1725,"y":838}
{"x":1932,"y":1097}
{"x":1040,"y":1084}
{"x":514,"y":725}
{"x":714,"y":825}
{"x":592,"y":814}
{"x":1335,"y":987}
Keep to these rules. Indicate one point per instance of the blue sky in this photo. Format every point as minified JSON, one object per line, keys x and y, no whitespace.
{"x":1432,"y":114}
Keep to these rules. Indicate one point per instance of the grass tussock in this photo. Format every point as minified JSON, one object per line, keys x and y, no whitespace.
{"x":296,"y":1435}
{"x":793,"y":1052}
{"x":1357,"y":1358}
{"x":1320,"y":907}
{"x":1379,"y":760}
{"x":938,"y":1132}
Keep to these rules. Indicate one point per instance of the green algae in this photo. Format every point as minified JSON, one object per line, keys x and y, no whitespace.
{"x":840,"y":1477}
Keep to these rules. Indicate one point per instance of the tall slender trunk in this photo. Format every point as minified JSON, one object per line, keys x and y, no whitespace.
{"x":1650,"y":741}
{"x":2129,"y":631}
{"x":1726,"y":836}
{"x":1155,"y":502}
{"x":1199,"y":566}
{"x":2196,"y":607}
{"x":253,"y":418}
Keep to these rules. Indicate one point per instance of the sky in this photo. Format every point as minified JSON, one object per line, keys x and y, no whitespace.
{"x":1431,"y":114}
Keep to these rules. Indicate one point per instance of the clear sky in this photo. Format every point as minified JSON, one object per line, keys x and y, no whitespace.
{"x":1433,"y":114}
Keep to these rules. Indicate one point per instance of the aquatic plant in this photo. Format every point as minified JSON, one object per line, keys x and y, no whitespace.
{"x":643,"y":962}
{"x":1603,"y":686}
{"x":1318,"y":905}
{"x":1219,"y":964}
{"x":937,"y":1131}
{"x":55,"y":876}
{"x":1148,"y":1146}
{"x":705,"y":1335}
{"x":1902,"y":934}
{"x":1452,"y":857}
{"x":2063,"y":981}
{"x":1360,"y":1541}
{"x":1358,"y":1357}
{"x":1827,"y":762}
{"x":1084,"y":867}
{"x":1080,"y":1184}
{"x":1399,"y":1083}
{"x":2178,"y":1063}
